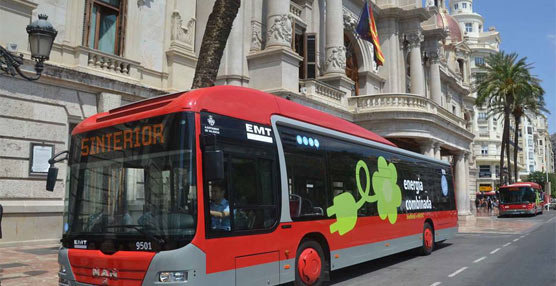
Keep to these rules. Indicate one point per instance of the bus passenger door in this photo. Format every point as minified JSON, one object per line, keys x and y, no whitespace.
{"x":243,"y":211}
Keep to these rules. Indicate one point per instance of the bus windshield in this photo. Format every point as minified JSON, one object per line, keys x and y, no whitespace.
{"x":517,"y":195}
{"x":134,"y":185}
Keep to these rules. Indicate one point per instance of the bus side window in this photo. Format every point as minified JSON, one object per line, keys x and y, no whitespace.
{"x":253,"y":201}
{"x":341,"y":167}
{"x":307,"y":174}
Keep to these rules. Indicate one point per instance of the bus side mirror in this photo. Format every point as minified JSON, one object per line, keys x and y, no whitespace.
{"x":214,"y":165}
{"x":51,"y":178}
{"x":53,"y":171}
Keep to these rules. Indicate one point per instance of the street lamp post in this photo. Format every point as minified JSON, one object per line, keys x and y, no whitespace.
{"x":41,"y":36}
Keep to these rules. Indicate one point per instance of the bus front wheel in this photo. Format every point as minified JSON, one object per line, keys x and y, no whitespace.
{"x":310,"y":264}
{"x":428,"y":240}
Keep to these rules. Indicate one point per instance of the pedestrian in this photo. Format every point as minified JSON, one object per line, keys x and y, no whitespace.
{"x":1,"y":212}
{"x":489,"y":204}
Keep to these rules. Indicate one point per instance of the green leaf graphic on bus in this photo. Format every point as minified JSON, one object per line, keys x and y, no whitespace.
{"x":387,"y":193}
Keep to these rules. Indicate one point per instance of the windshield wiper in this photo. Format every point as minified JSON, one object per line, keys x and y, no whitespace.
{"x":140,"y":229}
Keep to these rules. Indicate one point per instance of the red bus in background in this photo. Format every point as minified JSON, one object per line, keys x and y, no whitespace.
{"x":521,"y":198}
{"x":234,"y":186}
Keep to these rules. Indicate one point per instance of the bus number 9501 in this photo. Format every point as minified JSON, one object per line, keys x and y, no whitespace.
{"x":143,"y":245}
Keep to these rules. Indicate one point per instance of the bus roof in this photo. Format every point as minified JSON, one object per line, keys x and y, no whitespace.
{"x":239,"y":102}
{"x":523,"y":184}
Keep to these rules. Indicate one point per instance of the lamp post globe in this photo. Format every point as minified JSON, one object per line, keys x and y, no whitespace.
{"x":41,"y":36}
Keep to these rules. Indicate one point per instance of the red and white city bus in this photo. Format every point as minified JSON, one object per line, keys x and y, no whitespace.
{"x":233,"y":186}
{"x":521,"y":198}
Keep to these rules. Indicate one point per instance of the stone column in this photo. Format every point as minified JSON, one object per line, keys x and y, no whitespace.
{"x":279,"y":26}
{"x":415,"y":64}
{"x":276,"y":68}
{"x":462,"y":199}
{"x":436,"y":89}
{"x":437,"y":151}
{"x":232,"y":64}
{"x":335,"y":50}
{"x":427,"y":148}
{"x":467,"y":156}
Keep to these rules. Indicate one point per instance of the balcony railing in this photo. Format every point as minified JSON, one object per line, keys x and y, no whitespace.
{"x":485,"y":174}
{"x":296,"y":10}
{"x":406,"y":102}
{"x":108,"y":63}
{"x":321,"y":90}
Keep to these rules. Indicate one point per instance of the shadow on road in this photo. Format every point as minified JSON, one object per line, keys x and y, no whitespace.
{"x":351,"y":272}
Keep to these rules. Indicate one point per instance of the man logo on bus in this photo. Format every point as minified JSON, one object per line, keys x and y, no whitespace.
{"x":387,"y":195}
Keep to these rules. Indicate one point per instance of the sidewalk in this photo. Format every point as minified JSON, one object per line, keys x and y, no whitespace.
{"x":485,"y":222}
{"x":29,"y":266}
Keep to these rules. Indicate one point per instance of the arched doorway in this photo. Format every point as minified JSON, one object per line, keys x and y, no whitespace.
{"x":352,"y":68}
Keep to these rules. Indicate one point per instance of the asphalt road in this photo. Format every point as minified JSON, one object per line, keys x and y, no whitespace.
{"x":491,"y":259}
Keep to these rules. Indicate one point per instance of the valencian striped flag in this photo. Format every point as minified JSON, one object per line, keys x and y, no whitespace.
{"x":366,"y":28}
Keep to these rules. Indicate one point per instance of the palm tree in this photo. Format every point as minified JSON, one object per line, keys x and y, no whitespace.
{"x":530,"y":98}
{"x":505,"y":78}
{"x":218,"y":29}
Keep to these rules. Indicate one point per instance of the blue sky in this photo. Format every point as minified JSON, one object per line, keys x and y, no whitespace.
{"x":529,"y":29}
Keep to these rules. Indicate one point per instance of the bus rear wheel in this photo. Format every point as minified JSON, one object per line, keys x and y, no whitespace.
{"x":309,"y":264}
{"x":428,"y":240}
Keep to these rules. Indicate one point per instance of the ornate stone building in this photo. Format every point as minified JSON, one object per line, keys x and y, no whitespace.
{"x":487,"y":128}
{"x":536,"y":147}
{"x":111,"y":52}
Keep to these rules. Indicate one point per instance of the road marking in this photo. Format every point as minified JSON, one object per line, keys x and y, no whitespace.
{"x":516,"y":239}
{"x":479,"y":260}
{"x":494,"y":251}
{"x":506,"y":244}
{"x":550,"y":220}
{"x":436,"y":283}
{"x":522,"y":236}
{"x":457,"y":272}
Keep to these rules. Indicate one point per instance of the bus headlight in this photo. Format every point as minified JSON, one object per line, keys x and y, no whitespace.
{"x":172,"y":276}
{"x":62,"y":269}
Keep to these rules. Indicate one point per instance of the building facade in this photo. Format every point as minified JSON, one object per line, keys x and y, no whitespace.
{"x":535,"y":142}
{"x":112,"y":52}
{"x":486,"y":127}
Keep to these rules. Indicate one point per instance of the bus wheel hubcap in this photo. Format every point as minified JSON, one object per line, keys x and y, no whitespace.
{"x":428,"y":238}
{"x":309,"y":266}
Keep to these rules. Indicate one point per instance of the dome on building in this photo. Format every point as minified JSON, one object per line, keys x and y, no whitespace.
{"x":447,"y":22}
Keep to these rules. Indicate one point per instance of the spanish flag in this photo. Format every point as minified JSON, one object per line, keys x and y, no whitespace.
{"x":366,"y":28}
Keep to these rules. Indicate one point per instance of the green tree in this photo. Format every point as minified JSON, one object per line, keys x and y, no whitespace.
{"x":506,"y":79}
{"x":540,"y":178}
{"x":218,"y":29}
{"x":529,"y":96}
{"x":537,"y":177}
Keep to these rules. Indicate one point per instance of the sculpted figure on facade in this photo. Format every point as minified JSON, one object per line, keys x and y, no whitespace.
{"x":182,"y":33}
{"x":336,"y":59}
{"x":281,"y":29}
{"x":350,"y":22}
{"x":256,"y":36}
